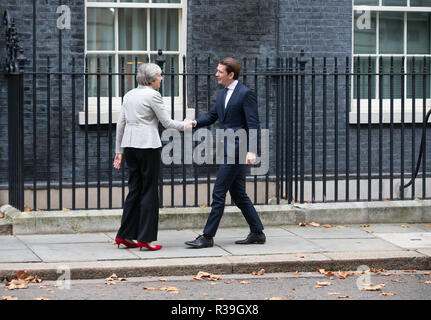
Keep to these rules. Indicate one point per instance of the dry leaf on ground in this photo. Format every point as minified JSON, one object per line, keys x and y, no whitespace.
{"x":427,"y":282}
{"x":9,"y":298}
{"x":274,"y":298}
{"x":300,"y":255}
{"x":323,"y":283}
{"x":245,"y":282}
{"x":202,"y":275}
{"x":258,"y":273}
{"x":150,"y":288}
{"x":365,"y":225}
{"x":373,"y":288}
{"x":333,"y":293}
{"x":347,"y":297}
{"x":404,"y":226}
{"x":327,"y":225}
{"x":169,"y":289}
{"x":302,"y":224}
{"x":314,"y":224}
{"x":387,"y":294}
{"x":41,"y":298}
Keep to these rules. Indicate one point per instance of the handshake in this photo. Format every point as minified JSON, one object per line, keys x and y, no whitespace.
{"x":189,"y":124}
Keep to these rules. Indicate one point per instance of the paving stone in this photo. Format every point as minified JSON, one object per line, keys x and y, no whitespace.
{"x":51,"y":252}
{"x":18,"y":255}
{"x":310,"y":232}
{"x":330,"y":245}
{"x":10,"y":243}
{"x":64,"y":238}
{"x":408,"y":240}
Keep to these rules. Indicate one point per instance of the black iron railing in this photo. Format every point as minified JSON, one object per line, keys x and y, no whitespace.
{"x":324,"y":145}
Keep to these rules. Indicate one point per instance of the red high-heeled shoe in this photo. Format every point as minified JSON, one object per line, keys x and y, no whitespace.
{"x":146,"y":245}
{"x":126,"y":243}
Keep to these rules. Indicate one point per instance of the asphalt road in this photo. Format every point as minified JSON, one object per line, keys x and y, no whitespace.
{"x":377,"y":285}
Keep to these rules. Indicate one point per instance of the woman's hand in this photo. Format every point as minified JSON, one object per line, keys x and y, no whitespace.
{"x":117,"y":160}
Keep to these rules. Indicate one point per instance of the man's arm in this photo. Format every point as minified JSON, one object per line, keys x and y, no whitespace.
{"x":207,"y":119}
{"x":252,"y":122}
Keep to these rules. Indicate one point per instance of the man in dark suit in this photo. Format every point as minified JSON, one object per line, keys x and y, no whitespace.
{"x":236,"y":109}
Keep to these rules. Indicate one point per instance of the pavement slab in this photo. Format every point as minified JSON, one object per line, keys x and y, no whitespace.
{"x":288,"y":248}
{"x":408,"y":240}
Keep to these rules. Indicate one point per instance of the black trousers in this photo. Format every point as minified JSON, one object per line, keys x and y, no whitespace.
{"x":231,"y":177}
{"x":141,"y":208}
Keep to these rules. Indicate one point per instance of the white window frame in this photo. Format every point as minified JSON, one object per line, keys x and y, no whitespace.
{"x":116,"y":99}
{"x":375,"y":103}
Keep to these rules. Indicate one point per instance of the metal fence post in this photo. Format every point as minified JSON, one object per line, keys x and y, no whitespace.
{"x":14,"y":64}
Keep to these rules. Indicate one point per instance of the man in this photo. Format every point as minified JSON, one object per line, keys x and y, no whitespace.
{"x":235,"y":108}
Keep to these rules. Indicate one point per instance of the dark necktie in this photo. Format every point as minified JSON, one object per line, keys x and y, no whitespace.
{"x":225,"y":90}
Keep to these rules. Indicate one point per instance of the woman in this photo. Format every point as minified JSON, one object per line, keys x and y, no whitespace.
{"x":138,"y":139}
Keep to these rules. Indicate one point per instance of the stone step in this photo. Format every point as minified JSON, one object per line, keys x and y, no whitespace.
{"x":5,"y":227}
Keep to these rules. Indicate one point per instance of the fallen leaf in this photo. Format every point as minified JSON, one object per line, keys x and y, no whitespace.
{"x":296,"y":273}
{"x":205,"y":294}
{"x":321,"y":271}
{"x":1,"y":215}
{"x":333,"y":293}
{"x":220,"y":299}
{"x":427,"y":282}
{"x":179,"y":229}
{"x":404,"y":226}
{"x":169,"y":289}
{"x":373,"y":288}
{"x":274,"y":298}
{"x":245,"y":282}
{"x":41,"y":298}
{"x":206,"y":276}
{"x":65,"y":209}
{"x":229,"y":281}
{"x":387,"y":294}
{"x":150,"y":288}
{"x":427,"y":273}
{"x":314,"y":224}
{"x":410,"y":271}
{"x":365,"y":225}
{"x":326,"y":225}
{"x":348,"y":297}
{"x":258,"y":273}
{"x":369,"y":231}
{"x":340,"y":227}
{"x":302,"y":224}
{"x":396,"y":280}
{"x":9,"y":298}
{"x":317,"y":286}
{"x":163,"y":279}
{"x":300,"y":255}
{"x":327,"y":283}
{"x":27,"y":208}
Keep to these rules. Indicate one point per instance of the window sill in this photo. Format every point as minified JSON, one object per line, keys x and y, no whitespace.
{"x":116,"y":107}
{"x":386,"y":114}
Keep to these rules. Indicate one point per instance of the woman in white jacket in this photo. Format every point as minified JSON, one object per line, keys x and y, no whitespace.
{"x":137,"y":138}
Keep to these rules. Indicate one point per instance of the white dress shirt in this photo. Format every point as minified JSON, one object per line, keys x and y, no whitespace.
{"x":230,"y":88}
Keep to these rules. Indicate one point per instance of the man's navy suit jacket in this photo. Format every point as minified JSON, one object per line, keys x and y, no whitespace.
{"x":240,"y":113}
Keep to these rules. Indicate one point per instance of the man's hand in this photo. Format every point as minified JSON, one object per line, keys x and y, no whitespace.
{"x":251,"y":158}
{"x":117,"y":161}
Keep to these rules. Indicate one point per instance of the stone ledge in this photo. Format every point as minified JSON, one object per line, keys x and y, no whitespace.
{"x":81,"y":221}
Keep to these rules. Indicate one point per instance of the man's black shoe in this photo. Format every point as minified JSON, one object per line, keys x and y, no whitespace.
{"x":253,"y":238}
{"x":200,"y":242}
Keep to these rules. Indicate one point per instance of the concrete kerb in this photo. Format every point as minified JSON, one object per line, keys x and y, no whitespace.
{"x":215,"y":265}
{"x":83,"y":221}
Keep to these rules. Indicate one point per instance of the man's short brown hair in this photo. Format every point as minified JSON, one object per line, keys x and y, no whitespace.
{"x":231,"y":65}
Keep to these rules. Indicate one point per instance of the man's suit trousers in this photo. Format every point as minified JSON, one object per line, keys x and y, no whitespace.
{"x":231,"y":177}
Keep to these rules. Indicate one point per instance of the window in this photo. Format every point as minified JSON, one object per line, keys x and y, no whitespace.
{"x":391,"y":28}
{"x":125,"y":33}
